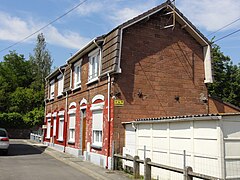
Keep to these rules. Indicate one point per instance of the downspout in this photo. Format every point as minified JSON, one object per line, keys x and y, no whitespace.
{"x":109,"y":118}
{"x":65,"y":122}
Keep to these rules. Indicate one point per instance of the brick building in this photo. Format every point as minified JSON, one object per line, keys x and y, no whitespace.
{"x":156,"y":64}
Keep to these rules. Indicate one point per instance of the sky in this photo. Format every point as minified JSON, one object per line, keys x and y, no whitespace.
{"x":19,"y":19}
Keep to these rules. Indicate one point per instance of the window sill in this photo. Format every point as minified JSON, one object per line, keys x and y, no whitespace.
{"x":76,"y":88}
{"x":52,"y":99}
{"x":71,"y":142}
{"x":59,"y":96}
{"x":60,"y":140}
{"x":92,"y":80}
{"x":47,"y":138}
{"x":98,"y":147}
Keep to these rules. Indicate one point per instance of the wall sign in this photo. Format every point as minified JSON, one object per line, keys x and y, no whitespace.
{"x":118,"y":102}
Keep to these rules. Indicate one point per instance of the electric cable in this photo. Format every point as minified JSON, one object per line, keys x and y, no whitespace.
{"x":51,"y":22}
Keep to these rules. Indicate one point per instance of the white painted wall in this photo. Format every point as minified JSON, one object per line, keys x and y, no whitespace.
{"x":206,"y":142}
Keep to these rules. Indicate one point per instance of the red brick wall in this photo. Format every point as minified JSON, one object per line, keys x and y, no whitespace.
{"x":87,"y":91}
{"x":158,"y":65}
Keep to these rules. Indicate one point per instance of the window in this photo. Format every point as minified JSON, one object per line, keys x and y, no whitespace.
{"x":61,"y":125}
{"x":48,"y":127}
{"x":51,"y":90}
{"x":77,"y":74}
{"x":72,"y":120}
{"x":60,"y":85}
{"x":97,"y":126}
{"x":54,"y":126}
{"x":93,"y":65}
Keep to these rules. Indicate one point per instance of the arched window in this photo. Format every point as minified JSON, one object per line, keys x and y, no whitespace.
{"x":72,"y":122}
{"x":97,"y":120}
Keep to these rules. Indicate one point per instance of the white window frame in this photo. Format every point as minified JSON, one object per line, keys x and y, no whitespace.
{"x":72,"y":125}
{"x":60,"y":126}
{"x":97,"y":129}
{"x":54,"y":123}
{"x":51,"y":90}
{"x":48,"y":128}
{"x":77,"y":75}
{"x":60,"y":84}
{"x":94,"y":64}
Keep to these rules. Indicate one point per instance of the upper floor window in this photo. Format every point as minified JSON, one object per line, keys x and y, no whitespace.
{"x":77,"y":74}
{"x":94,"y":58}
{"x":51,"y":96}
{"x":60,"y":84}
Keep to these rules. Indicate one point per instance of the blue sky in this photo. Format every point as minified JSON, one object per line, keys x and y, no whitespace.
{"x":19,"y":19}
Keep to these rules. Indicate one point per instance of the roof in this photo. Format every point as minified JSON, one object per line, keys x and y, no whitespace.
{"x":56,"y":71}
{"x":183,"y":117}
{"x":94,"y":43}
{"x":225,"y":103}
{"x":180,"y":18}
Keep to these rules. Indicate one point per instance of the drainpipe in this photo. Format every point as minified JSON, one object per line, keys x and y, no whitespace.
{"x":109,"y":119}
{"x":65,"y":122}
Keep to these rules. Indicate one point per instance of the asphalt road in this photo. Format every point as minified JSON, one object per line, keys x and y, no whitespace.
{"x":26,"y":162}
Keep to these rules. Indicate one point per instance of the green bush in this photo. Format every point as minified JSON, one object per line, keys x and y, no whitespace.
{"x":12,"y":120}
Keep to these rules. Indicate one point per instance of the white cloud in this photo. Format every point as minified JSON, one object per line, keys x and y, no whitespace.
{"x":67,"y":39}
{"x":120,"y":15}
{"x":211,"y":15}
{"x":123,"y":15}
{"x":15,"y":29}
{"x":89,"y":8}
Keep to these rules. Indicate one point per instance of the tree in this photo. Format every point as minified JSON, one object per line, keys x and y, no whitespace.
{"x":22,"y":87}
{"x":226,"y":78}
{"x":14,"y":72}
{"x":41,"y":60}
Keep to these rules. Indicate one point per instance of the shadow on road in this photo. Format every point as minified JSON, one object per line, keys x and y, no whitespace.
{"x":16,"y":149}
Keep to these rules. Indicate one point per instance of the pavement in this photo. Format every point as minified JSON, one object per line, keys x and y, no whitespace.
{"x":86,"y":167}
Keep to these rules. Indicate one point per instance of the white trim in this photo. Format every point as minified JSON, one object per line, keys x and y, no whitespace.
{"x":61,"y":113}
{"x":54,"y":114}
{"x":83,"y":101}
{"x":49,"y":115}
{"x":92,"y":80}
{"x":207,"y":64}
{"x":72,"y":104}
{"x":83,"y":107}
{"x":98,"y":106}
{"x":99,"y":96}
{"x":78,"y":87}
{"x":72,"y":111}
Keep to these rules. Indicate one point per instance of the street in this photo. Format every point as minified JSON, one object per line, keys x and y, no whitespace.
{"x":25,"y":162}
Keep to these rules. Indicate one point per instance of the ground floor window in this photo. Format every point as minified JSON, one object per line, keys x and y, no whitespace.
{"x":54,"y":126}
{"x":97,"y":127}
{"x":60,"y":128}
{"x":48,"y":127}
{"x":72,"y":121}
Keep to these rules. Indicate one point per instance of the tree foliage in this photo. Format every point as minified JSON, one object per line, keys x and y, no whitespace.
{"x":22,"y":87}
{"x":226,"y":78}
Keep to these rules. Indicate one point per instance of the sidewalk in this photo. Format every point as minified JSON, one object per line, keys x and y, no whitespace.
{"x":86,"y":167}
